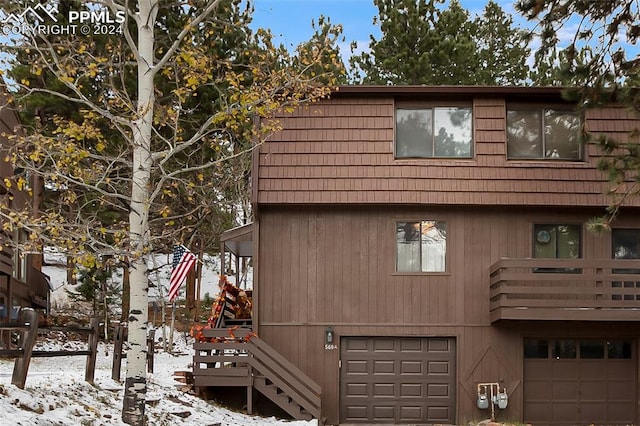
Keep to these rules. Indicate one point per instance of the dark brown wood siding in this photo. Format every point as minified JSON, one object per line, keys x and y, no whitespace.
{"x":335,"y":266}
{"x":340,"y":151}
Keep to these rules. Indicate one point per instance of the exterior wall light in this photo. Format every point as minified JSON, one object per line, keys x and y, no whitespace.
{"x":328,"y":336}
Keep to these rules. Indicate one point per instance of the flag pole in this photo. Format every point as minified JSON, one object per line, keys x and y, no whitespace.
{"x":173,"y":324}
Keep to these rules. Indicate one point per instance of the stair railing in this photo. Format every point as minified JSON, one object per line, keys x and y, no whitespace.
{"x":266,"y":361}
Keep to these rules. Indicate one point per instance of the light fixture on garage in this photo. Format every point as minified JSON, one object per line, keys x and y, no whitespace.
{"x":328,"y":335}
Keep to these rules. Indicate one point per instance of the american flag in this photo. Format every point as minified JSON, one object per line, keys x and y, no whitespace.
{"x":183,"y":261}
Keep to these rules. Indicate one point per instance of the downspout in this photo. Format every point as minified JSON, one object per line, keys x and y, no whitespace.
{"x":255,"y":232}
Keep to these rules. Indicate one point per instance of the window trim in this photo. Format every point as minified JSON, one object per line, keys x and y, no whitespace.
{"x":432,"y":106}
{"x":447,"y":270}
{"x":558,"y":108}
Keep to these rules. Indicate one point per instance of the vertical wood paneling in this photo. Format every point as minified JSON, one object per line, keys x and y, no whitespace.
{"x":336,"y":279}
{"x":299,"y":272}
{"x":314,"y":289}
{"x":280,"y":265}
{"x":335,"y":266}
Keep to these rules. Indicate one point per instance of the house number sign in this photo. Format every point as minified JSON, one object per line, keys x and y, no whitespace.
{"x":330,"y":347}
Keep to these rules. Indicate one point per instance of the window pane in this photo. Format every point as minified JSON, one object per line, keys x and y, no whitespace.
{"x":408,"y":247}
{"x":414,"y":133}
{"x":434,"y":246}
{"x":536,"y":348}
{"x":556,"y":241}
{"x":625,"y":244}
{"x":564,"y":349}
{"x":568,"y":241}
{"x":421,"y":246}
{"x":523,"y":134}
{"x":561,"y":134}
{"x":592,"y":349}
{"x":453,"y":132}
{"x":619,"y":349}
{"x":544,"y":241}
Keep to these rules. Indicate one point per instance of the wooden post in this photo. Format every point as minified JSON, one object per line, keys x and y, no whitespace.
{"x":117,"y":352}
{"x":198,"y":270}
{"x":250,"y":391}
{"x":28,"y":317}
{"x":92,"y":342}
{"x":173,"y":325}
{"x":151,"y":337}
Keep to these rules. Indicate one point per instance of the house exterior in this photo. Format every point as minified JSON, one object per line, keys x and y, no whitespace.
{"x":22,"y":283}
{"x":418,"y":249}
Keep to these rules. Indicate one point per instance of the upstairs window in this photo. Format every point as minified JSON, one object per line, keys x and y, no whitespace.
{"x":543,"y":134}
{"x":421,"y":246}
{"x":434,"y":132}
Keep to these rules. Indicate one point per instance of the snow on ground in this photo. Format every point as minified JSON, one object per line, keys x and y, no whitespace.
{"x":56,"y":394}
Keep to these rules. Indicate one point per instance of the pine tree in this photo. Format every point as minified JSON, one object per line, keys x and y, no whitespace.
{"x":502,"y":48}
{"x":424,"y":43}
{"x":602,"y":65}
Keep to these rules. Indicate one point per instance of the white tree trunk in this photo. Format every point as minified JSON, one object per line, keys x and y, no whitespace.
{"x":136,"y":377}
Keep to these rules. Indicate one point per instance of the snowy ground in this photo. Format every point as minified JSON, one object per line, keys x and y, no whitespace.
{"x":56,"y":394}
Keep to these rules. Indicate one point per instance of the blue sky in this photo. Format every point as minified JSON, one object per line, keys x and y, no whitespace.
{"x":290,"y":20}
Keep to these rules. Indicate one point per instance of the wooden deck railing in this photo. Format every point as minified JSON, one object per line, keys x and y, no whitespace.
{"x":243,"y":359}
{"x":565,"y":289}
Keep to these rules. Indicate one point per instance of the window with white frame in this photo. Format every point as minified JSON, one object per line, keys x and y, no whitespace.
{"x":437,"y":132}
{"x":421,"y":246}
{"x":543,"y":133}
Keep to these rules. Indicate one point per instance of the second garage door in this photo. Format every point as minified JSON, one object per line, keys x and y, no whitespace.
{"x":397,"y":380}
{"x":579,"y":382}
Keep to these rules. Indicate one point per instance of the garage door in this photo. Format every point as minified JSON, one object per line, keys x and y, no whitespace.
{"x":579,"y":382}
{"x":397,"y":380}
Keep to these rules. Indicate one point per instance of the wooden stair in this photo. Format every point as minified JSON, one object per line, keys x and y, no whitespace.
{"x":237,"y":357}
{"x":281,"y":398}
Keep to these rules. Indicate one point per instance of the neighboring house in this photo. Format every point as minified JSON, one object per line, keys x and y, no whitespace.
{"x":22,"y":284}
{"x":414,"y":243}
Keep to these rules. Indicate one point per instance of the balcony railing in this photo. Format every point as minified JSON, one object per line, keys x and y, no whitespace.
{"x":565,"y":289}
